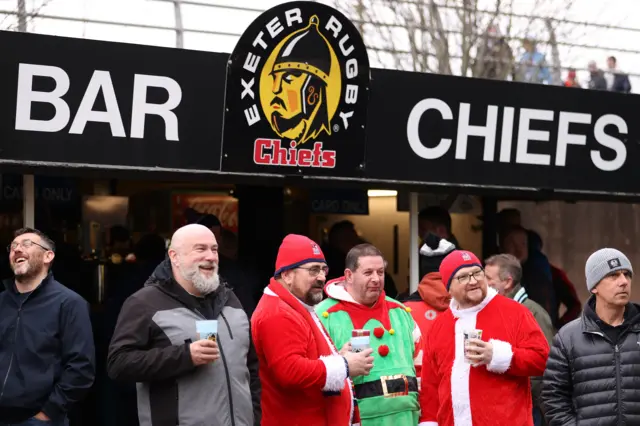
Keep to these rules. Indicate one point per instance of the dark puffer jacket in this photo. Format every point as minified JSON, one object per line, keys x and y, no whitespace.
{"x":593,"y":372}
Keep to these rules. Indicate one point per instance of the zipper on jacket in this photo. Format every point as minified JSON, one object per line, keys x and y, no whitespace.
{"x":228,"y":326}
{"x":618,"y":382}
{"x":13,"y":351}
{"x":226,"y":373}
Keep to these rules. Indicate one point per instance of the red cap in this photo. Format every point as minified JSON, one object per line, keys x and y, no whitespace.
{"x":455,"y":261}
{"x":296,"y":250}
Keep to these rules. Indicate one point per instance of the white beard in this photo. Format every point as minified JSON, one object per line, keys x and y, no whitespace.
{"x":202,"y":283}
{"x":206,"y":285}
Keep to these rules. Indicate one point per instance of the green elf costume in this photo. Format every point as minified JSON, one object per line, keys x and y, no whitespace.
{"x":388,"y":396}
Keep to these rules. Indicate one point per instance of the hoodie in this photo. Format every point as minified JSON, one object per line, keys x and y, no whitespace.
{"x":431,"y":299}
{"x":151,"y":347}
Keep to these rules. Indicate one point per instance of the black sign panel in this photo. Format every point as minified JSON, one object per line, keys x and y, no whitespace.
{"x":86,"y":102}
{"x":339,"y":201}
{"x":297,"y":94}
{"x":471,"y":132}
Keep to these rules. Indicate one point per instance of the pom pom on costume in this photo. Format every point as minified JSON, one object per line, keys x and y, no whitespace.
{"x":383,"y":350}
{"x":378,"y":332}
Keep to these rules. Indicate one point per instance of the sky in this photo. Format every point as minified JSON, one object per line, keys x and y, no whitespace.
{"x":231,"y":21}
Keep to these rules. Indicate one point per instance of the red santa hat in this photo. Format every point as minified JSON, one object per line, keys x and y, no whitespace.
{"x":455,"y":261}
{"x":295,"y":251}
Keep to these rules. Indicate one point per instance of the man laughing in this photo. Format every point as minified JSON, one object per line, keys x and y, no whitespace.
{"x":183,"y":378}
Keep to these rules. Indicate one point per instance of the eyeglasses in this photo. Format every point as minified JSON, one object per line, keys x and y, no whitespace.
{"x":466,"y":279}
{"x":25,"y":244}
{"x":314,"y":271}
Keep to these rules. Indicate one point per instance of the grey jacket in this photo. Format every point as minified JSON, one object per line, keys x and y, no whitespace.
{"x":150,"y":346}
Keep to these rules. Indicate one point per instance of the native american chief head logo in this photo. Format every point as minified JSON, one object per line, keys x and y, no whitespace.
{"x":300,"y":85}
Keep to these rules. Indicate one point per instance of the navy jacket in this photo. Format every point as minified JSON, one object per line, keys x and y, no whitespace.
{"x":47,"y":355}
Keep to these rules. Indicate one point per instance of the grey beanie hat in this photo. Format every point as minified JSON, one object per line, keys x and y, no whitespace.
{"x":602,"y":263}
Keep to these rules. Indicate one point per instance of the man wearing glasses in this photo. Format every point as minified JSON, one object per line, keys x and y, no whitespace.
{"x":47,"y":360}
{"x":305,"y":379}
{"x":479,"y":354}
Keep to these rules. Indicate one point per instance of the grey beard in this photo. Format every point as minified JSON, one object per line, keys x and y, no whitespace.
{"x":201,"y":283}
{"x":206,"y":285}
{"x":313,"y":299}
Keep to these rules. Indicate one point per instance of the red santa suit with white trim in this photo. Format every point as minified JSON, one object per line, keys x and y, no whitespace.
{"x":304,"y":379}
{"x":499,"y":393}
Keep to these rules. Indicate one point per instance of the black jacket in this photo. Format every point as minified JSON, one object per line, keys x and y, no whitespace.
{"x":150,"y":346}
{"x":47,"y":355}
{"x":593,"y":372}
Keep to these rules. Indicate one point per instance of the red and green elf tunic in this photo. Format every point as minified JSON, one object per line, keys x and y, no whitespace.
{"x":388,"y":396}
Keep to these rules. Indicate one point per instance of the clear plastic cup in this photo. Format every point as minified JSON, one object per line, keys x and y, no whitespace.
{"x":470,"y":334}
{"x":360,"y":340}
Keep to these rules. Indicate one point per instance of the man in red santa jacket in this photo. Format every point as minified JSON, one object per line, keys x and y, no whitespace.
{"x":305,"y":380}
{"x":488,"y":382}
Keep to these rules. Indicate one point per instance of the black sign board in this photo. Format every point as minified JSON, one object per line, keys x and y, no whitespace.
{"x":297,"y":94}
{"x":469,"y":132}
{"x":94,"y":103}
{"x":339,"y":201}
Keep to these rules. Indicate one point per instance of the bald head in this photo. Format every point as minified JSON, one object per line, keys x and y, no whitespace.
{"x":194,"y":258}
{"x":188,"y":235}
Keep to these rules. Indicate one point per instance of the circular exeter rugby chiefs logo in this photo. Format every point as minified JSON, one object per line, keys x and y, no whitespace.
{"x":303,"y":72}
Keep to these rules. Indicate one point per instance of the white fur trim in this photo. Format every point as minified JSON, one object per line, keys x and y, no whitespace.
{"x":336,"y":372}
{"x":444,"y":247}
{"x":417,"y":360}
{"x":473,"y":311}
{"x":332,"y":347}
{"x":417,"y":335}
{"x":502,"y":356}
{"x":337,"y":291}
{"x":428,"y":424}
{"x":460,"y":392}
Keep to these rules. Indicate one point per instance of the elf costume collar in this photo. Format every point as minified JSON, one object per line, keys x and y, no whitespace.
{"x":359,"y":313}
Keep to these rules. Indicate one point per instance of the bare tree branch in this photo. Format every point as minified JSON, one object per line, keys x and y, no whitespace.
{"x":457,"y":36}
{"x":31,"y":16}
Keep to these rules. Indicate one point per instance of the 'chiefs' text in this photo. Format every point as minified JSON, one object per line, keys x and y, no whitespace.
{"x":271,"y":152}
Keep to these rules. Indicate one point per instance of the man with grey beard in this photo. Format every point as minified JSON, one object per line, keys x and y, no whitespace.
{"x":47,"y":360}
{"x":183,"y":378}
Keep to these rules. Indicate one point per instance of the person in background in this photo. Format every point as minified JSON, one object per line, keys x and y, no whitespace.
{"x":484,"y":380}
{"x":596,"y":77}
{"x":571,"y":80}
{"x":592,"y":375}
{"x":357,"y":301}
{"x":533,"y":67}
{"x":617,"y":81}
{"x":436,"y":220}
{"x":183,"y":378}
{"x":47,"y":354}
{"x":503,"y":272}
{"x":306,"y":381}
{"x":229,"y":244}
{"x":342,"y":237}
{"x":432,"y":298}
{"x":507,"y":219}
{"x":564,"y":288}
{"x":494,"y":58}
{"x":536,"y":270}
